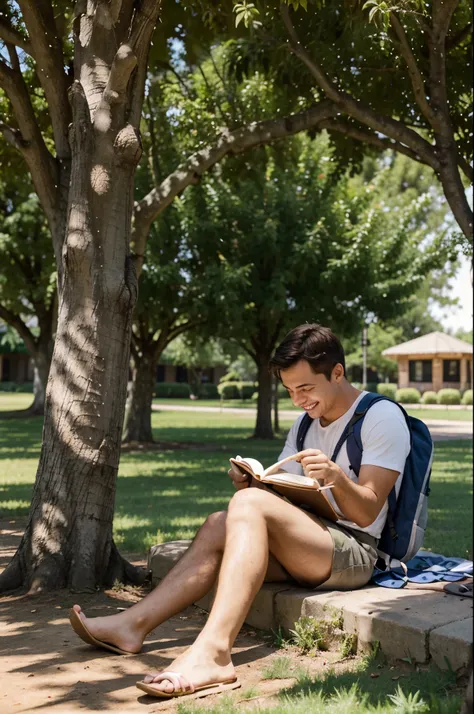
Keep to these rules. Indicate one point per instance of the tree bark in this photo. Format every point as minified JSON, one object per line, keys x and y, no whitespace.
{"x":263,"y":425}
{"x":276,"y":417}
{"x":137,"y":425}
{"x":42,"y":360}
{"x":68,"y":537}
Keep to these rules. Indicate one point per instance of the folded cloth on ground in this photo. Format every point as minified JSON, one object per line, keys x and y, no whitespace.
{"x":424,"y":568}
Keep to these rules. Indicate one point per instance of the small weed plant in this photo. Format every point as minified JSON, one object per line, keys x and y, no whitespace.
{"x":309,"y":635}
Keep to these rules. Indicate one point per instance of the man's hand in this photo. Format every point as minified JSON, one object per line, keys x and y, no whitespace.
{"x":317,"y":465}
{"x":239,"y":479}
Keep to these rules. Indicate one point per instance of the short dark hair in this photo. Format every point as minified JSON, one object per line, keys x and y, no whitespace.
{"x":314,"y":343}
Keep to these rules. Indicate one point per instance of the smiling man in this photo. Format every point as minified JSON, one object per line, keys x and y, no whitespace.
{"x":262,"y":537}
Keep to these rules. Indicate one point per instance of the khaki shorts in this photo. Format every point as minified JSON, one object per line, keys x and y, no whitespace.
{"x":355,"y":554}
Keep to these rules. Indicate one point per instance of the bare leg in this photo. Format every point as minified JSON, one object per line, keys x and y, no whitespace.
{"x":191,"y":578}
{"x":257,"y":522}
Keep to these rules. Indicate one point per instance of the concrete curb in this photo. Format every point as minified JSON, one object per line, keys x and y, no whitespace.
{"x":415,"y":624}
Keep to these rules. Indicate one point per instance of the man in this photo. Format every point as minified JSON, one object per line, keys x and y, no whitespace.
{"x":262,"y":537}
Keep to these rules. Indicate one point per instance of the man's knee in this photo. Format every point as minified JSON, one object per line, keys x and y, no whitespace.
{"x":214,"y":527}
{"x":249,"y":499}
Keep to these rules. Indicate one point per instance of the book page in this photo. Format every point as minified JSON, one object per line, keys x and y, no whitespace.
{"x":286,"y":477}
{"x":253,"y":464}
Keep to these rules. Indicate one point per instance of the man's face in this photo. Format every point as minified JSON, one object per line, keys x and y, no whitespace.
{"x":312,"y":392}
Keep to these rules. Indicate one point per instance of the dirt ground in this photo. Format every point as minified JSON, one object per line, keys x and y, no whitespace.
{"x":45,"y":667}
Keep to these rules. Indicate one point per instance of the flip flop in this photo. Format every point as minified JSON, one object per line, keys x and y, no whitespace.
{"x":182,"y":687}
{"x":80,"y":629}
{"x":459,"y":589}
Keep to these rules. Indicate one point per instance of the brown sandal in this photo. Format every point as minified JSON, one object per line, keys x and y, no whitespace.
{"x":182,"y":687}
{"x":80,"y":629}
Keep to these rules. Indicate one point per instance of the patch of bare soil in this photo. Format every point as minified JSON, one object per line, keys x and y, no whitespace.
{"x":45,"y":667}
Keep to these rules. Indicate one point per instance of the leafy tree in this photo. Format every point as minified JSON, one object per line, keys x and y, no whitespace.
{"x":465,"y":335}
{"x":75,"y":77}
{"x":28,"y":280}
{"x":394,"y":73}
{"x":315,"y":246}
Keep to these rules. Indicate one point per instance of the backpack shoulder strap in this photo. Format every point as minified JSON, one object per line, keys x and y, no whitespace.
{"x":353,"y":427}
{"x":354,"y":440}
{"x":303,"y":428}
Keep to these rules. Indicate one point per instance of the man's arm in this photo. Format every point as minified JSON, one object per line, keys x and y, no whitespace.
{"x":359,"y":502}
{"x":362,"y":502}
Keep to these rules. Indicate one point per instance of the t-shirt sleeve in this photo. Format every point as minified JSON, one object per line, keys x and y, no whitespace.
{"x":385,"y":437}
{"x":290,"y":448}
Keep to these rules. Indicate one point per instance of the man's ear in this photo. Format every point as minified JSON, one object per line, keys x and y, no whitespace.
{"x":338,"y":373}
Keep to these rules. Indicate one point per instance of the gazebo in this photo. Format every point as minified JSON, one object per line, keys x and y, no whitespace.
{"x":433,"y":362}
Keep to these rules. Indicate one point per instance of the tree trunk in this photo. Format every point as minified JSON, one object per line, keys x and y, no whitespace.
{"x":137,"y":425}
{"x":276,"y":417}
{"x":40,"y":380}
{"x":68,"y":538}
{"x":263,"y":426}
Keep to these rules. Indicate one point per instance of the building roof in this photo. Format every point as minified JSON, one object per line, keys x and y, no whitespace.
{"x":433,"y":343}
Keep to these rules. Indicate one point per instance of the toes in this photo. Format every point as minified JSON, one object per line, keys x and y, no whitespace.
{"x":77,"y":608}
{"x":148,"y":678}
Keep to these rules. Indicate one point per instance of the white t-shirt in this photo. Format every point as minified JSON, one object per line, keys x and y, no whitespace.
{"x":385,"y":440}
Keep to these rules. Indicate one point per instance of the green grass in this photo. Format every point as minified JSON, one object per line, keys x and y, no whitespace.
{"x":354,"y":691}
{"x":167,"y":494}
{"x":447,"y":414}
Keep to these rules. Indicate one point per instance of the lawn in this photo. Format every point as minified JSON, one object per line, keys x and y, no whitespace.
{"x":166,"y":494}
{"x":446,"y":413}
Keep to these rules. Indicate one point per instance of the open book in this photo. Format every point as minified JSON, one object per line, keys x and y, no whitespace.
{"x":300,"y":490}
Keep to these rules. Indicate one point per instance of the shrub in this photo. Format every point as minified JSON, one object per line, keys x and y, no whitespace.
{"x":467,"y":397}
{"x":228,"y":390}
{"x":15,"y":387}
{"x":172,"y":390}
{"x":371,"y":387}
{"x":246,"y":389}
{"x":387,"y":389}
{"x":449,"y":396}
{"x":207,"y":390}
{"x":429,"y":398}
{"x":408,"y":395}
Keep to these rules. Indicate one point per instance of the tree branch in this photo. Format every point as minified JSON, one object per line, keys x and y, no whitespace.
{"x":13,"y":136}
{"x":454,"y":41}
{"x":233,"y":142}
{"x":12,"y":36}
{"x":417,"y":80}
{"x":378,"y":122}
{"x":40,"y":162}
{"x":47,"y":50}
{"x":466,"y":168}
{"x":23,"y":330}
{"x":367,"y":137}
{"x":144,"y":22}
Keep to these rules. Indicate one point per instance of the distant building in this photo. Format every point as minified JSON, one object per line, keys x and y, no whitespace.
{"x":15,"y":364}
{"x":433,"y":362}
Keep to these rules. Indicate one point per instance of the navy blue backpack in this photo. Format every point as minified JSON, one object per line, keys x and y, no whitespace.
{"x":407,"y":515}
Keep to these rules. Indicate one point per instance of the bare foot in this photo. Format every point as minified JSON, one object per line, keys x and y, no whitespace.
{"x":115,"y":630}
{"x":200,"y":665}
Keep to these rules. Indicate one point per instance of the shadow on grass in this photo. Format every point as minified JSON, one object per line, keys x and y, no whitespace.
{"x":377,"y":680}
{"x":167,"y":494}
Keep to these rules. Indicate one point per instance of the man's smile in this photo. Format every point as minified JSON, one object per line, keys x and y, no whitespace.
{"x":309,"y":407}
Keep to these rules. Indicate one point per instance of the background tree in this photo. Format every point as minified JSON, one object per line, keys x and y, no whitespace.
{"x":315,"y":245}
{"x":88,"y":65}
{"x":395,"y":72}
{"x":28,"y":282}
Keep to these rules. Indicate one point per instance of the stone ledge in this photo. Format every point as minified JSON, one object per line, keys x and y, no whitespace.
{"x":407,"y":623}
{"x":451,"y":645}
